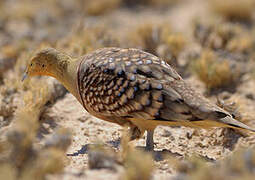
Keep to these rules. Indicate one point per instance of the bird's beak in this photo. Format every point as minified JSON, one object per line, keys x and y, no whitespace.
{"x":24,"y":76}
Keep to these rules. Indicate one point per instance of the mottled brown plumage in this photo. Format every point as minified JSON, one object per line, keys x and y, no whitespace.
{"x":135,"y":88}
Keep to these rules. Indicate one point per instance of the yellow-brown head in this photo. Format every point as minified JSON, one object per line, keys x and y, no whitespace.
{"x":48,"y":62}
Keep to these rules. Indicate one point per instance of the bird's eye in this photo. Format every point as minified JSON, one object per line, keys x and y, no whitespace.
{"x":43,"y":65}
{"x":31,"y":64}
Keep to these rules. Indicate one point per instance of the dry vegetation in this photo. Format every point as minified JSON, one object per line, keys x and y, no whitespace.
{"x":217,"y":55}
{"x":239,"y":165}
{"x":21,"y":160}
{"x":101,"y":7}
{"x":234,"y":10}
{"x":216,"y":73}
{"x":158,"y":39}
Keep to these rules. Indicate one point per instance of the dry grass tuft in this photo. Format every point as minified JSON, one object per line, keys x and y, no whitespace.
{"x":149,"y":36}
{"x":217,"y":35}
{"x":189,"y":165}
{"x":100,"y":7}
{"x":175,"y":43}
{"x":159,"y":40}
{"x":234,"y":10}
{"x":239,"y":165}
{"x":243,"y":44}
{"x":214,"y":73}
{"x":229,"y":37}
{"x":87,"y":39}
{"x":11,"y":90}
{"x":24,"y":161}
{"x":138,"y":164}
{"x":101,"y":157}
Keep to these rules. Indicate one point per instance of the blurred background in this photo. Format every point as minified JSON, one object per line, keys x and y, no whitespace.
{"x":210,"y":43}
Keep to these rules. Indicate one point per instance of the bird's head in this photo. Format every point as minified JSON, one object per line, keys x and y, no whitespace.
{"x":45,"y":63}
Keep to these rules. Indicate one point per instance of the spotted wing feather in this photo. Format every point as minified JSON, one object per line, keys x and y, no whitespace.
{"x":130,"y":83}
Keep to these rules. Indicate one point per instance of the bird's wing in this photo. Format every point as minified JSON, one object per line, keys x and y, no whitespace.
{"x":130,"y":83}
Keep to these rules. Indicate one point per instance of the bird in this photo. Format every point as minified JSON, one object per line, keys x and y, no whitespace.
{"x":131,"y":87}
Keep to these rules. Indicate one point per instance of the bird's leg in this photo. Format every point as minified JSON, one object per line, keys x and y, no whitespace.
{"x":149,"y":141}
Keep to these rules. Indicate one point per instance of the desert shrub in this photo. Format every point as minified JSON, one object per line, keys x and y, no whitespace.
{"x":100,"y":7}
{"x":215,"y":73}
{"x":239,"y":165}
{"x":87,"y":39}
{"x":234,"y":10}
{"x":158,"y":39}
{"x":216,"y":35}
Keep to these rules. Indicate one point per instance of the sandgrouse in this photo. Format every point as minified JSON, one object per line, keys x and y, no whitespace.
{"x":132,"y":88}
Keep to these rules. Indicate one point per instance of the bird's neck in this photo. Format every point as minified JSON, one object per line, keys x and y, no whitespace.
{"x":66,"y":73}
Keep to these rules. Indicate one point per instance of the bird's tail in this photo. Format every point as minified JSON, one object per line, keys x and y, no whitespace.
{"x":232,"y":123}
